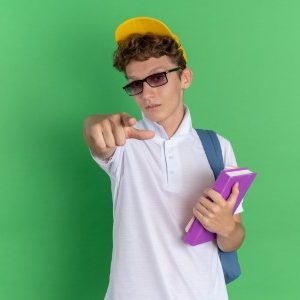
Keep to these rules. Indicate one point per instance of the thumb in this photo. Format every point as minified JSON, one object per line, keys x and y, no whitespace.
{"x":234,"y":195}
{"x":133,"y":133}
{"x":127,"y":120}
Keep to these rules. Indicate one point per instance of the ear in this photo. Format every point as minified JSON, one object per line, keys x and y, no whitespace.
{"x":186,"y":78}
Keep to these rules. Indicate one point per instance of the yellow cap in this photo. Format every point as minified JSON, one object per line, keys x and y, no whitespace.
{"x":145,"y":25}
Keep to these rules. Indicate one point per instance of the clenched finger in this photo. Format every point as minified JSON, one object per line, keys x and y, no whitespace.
{"x":127,"y":120}
{"x":119,"y":134}
{"x":107,"y":134}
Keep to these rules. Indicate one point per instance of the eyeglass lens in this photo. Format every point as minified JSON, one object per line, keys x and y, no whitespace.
{"x":153,"y":80}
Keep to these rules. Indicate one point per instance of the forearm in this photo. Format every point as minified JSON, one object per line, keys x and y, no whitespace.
{"x":233,"y":239}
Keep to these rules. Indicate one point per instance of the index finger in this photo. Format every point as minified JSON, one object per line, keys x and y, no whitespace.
{"x":215,"y":196}
{"x":139,"y":134}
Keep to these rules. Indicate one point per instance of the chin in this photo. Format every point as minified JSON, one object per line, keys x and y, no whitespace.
{"x":154,"y":117}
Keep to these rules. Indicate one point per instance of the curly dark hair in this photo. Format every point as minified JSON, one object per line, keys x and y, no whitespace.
{"x":143,"y":46}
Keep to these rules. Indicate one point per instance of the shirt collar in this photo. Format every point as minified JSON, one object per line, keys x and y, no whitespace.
{"x":184,"y":128}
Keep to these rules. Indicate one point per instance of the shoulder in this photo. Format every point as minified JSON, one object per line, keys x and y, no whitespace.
{"x":224,"y":142}
{"x":227,"y":151}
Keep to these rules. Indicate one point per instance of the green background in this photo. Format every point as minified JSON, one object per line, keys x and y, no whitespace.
{"x":55,"y":69}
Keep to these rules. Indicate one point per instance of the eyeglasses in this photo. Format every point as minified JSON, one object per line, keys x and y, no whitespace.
{"x":158,"y":79}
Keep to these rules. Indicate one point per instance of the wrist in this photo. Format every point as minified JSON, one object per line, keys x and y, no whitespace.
{"x":229,"y":229}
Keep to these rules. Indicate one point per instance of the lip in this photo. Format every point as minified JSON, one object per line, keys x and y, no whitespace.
{"x":152,"y":107}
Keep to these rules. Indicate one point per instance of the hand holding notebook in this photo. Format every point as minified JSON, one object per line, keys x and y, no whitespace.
{"x":195,"y":232}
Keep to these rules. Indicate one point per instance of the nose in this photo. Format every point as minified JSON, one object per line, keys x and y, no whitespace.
{"x":148,"y":91}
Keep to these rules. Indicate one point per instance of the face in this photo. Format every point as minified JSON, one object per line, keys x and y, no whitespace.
{"x":163,"y":104}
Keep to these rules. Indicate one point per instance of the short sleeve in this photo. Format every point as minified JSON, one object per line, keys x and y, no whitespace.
{"x":111,"y":166}
{"x":229,"y":161}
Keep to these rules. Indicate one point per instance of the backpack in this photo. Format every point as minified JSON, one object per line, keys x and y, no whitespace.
{"x":212,"y":148}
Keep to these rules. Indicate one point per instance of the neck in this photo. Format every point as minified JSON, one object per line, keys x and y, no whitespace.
{"x":171,"y":124}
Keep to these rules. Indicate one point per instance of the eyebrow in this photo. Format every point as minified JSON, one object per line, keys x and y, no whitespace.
{"x":153,"y":71}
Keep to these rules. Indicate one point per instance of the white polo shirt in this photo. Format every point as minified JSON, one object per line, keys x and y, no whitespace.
{"x":155,"y":185}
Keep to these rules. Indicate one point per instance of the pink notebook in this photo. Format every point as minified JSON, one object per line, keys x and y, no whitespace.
{"x":195,"y":232}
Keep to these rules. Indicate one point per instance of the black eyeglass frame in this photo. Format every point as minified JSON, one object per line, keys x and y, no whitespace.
{"x":145,"y":80}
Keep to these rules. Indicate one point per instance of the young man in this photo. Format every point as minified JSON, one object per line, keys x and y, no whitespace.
{"x":160,"y":177}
